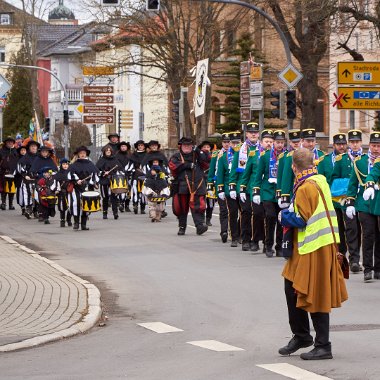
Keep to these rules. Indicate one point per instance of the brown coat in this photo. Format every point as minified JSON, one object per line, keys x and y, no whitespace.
{"x":317,"y":277}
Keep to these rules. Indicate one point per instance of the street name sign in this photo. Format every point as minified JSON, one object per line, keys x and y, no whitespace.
{"x":98,"y":119}
{"x":359,"y":73}
{"x":98,"y":99}
{"x":290,"y":76}
{"x":98,"y":70}
{"x":97,"y":90}
{"x":358,"y":98}
{"x":4,"y":86}
{"x":98,"y":110}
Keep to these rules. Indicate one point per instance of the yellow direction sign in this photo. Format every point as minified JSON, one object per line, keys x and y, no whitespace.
{"x":358,"y":98}
{"x":360,"y":73}
{"x":290,"y":76}
{"x":256,"y":72}
{"x":98,"y":70}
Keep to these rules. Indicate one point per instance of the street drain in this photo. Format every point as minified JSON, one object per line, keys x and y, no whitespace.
{"x":354,"y":327}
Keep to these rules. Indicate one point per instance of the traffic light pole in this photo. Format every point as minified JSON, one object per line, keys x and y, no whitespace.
{"x":65,"y":101}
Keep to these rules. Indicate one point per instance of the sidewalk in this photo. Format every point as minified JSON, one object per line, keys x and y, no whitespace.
{"x":40,"y":301}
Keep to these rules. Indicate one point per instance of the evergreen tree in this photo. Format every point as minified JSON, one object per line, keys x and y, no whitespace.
{"x":19,"y":109}
{"x":230,"y":86}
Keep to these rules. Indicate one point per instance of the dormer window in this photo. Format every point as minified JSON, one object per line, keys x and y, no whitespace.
{"x":5,"y":19}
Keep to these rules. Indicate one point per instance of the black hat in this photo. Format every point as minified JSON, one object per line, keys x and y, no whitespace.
{"x":354,"y":134}
{"x":113,"y":135}
{"x":279,"y":135}
{"x":339,"y":138}
{"x":226,"y":137}
{"x":186,"y":141}
{"x":139,"y":142}
{"x":252,"y":127}
{"x":205,"y":142}
{"x":154,"y":142}
{"x":295,"y":135}
{"x":32,"y":142}
{"x":82,"y":148}
{"x":64,"y":160}
{"x":374,"y":137}
{"x":266,"y":133}
{"x":127,"y":144}
{"x":9,"y":138}
{"x":235,"y":136}
{"x":45,"y":147}
{"x":21,"y":147}
{"x":308,"y":133}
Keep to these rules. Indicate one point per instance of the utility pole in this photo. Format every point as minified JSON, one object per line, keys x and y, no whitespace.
{"x":65,"y":101}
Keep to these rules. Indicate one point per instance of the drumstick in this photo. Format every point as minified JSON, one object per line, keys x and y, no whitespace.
{"x":109,"y":171}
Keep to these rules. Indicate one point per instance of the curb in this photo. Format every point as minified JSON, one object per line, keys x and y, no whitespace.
{"x":88,"y":321}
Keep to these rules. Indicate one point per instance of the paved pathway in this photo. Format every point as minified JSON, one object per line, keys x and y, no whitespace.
{"x":39,"y":300}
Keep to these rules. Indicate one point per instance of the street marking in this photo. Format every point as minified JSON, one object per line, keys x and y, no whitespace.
{"x":159,"y":327}
{"x":292,"y":371}
{"x":214,"y":345}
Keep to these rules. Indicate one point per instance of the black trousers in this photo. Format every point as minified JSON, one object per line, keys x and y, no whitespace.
{"x":341,"y":227}
{"x":258,"y":225}
{"x":223,"y":215}
{"x":246,"y":220}
{"x":371,"y":242}
{"x":299,"y":320}
{"x":233,"y":217}
{"x":353,"y":237}
{"x":272,"y":225}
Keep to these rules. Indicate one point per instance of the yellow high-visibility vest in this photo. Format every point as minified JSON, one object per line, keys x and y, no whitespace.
{"x":317,"y":232}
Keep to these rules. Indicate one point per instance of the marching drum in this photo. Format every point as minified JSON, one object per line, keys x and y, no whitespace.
{"x":91,"y":201}
{"x":119,"y":184}
{"x":51,"y":200}
{"x":9,"y":184}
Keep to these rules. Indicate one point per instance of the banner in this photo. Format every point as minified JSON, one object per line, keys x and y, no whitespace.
{"x":201,"y":83}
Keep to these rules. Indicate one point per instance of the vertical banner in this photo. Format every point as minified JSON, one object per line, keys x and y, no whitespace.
{"x":201,"y":82}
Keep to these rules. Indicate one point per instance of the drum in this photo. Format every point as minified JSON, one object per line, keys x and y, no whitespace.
{"x":51,"y":200}
{"x":119,"y":184}
{"x":91,"y":201}
{"x":9,"y":184}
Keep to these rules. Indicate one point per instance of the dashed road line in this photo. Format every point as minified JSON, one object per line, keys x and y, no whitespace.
{"x":215,"y":345}
{"x":292,"y":371}
{"x":159,"y":327}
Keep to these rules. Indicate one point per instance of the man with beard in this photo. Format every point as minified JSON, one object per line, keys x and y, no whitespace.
{"x":8,"y":165}
{"x":114,"y":139}
{"x":187,"y":166}
{"x":123,"y":155}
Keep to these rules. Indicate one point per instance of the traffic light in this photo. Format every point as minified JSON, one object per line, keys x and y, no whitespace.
{"x":65,"y":117}
{"x":153,"y":5}
{"x":110,"y":2}
{"x":47,"y":124}
{"x":291,"y":104}
{"x":278,"y":103}
{"x":175,"y":110}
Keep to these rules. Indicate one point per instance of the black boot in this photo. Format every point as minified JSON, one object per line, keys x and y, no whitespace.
{"x":127,"y":209}
{"x":28,"y":212}
{"x":105,"y":215}
{"x":2,"y":207}
{"x":142,"y":207}
{"x":62,"y":214}
{"x":318,"y":353}
{"x":294,"y":345}
{"x":208,"y":222}
{"x":121,"y":207}
{"x":135,"y":209}
{"x":181,"y":231}
{"x":23,"y":211}
{"x":83,"y":223}
{"x":76,"y":223}
{"x":68,"y":219}
{"x":115,"y":215}
{"x":46,"y":221}
{"x":201,"y":229}
{"x":3,"y":200}
{"x":10,"y":200}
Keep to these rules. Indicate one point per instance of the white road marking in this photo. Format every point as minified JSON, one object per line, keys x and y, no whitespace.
{"x":292,"y":371}
{"x":159,"y":327}
{"x":214,"y":345}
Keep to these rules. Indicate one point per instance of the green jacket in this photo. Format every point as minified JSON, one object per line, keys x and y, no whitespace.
{"x":287,"y":181}
{"x":223,"y":175}
{"x":326,"y":168}
{"x":212,"y":169}
{"x":267,"y":190}
{"x":280,"y":170}
{"x":246,"y":184}
{"x":374,"y":176}
{"x":235,"y":174}
{"x":355,"y":189}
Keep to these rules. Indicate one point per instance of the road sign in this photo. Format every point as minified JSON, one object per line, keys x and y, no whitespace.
{"x":257,"y":103}
{"x":290,"y":76}
{"x":256,"y":88}
{"x":244,"y":83}
{"x":3,"y":103}
{"x":98,"y":70}
{"x":359,"y":73}
{"x":256,"y":72}
{"x":79,"y":108}
{"x":4,"y":86}
{"x":98,"y":99}
{"x":245,"y":99}
{"x":244,"y":68}
{"x":98,"y":110}
{"x":98,"y":119}
{"x":97,"y":90}
{"x":358,"y":98}
{"x":245,"y":114}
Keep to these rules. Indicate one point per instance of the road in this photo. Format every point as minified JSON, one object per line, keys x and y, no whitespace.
{"x":146,"y":273}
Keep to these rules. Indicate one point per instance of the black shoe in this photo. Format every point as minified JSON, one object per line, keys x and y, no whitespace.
{"x":84,"y":227}
{"x":164,"y":214}
{"x":121,"y":208}
{"x":115,"y":216}
{"x":224,"y":236}
{"x":294,"y":345}
{"x":62,"y":223}
{"x":105,"y":215}
{"x":278,"y":252}
{"x":355,"y":268}
{"x":27,"y":215}
{"x":11,"y":207}
{"x":208,"y":222}
{"x":269,"y":252}
{"x":142,"y":212}
{"x":317,"y":353}
{"x":35,"y":215}
{"x":367,"y":276}
{"x":76,"y":226}
{"x":234,"y":243}
{"x":2,"y":207}
{"x":46,"y":221}
{"x":254,"y":246}
{"x":127,"y":209}
{"x":376,"y":276}
{"x":201,"y":229}
{"x":69,"y":223}
{"x":135,"y":210}
{"x":245,"y":246}
{"x":22,"y":211}
{"x":181,"y":231}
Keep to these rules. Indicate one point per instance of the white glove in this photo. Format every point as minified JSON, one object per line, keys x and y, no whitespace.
{"x":233,"y":194}
{"x":284,"y":205}
{"x":350,"y":212}
{"x":291,"y":207}
{"x":222,"y":196}
{"x":256,"y":199}
{"x":369,"y":193}
{"x":279,"y":216}
{"x":210,"y":193}
{"x":243,"y":197}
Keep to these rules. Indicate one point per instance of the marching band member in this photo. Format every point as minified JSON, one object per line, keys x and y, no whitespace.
{"x":21,"y":151}
{"x":113,"y":142}
{"x":82,"y":174}
{"x":108,"y":165}
{"x":343,"y":170}
{"x":365,"y":205}
{"x":63,"y":203}
{"x":123,"y":155}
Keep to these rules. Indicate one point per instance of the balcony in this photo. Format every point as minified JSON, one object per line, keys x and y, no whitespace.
{"x":74,"y":93}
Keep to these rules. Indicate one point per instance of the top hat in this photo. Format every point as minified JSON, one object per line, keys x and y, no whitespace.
{"x":279,"y":135}
{"x":308,"y":133}
{"x":339,"y":138}
{"x":113,"y":135}
{"x":185,"y":141}
{"x":295,"y":135}
{"x":82,"y":148}
{"x":235,"y":136}
{"x":374,"y":137}
{"x":266,"y":133}
{"x":226,"y":137}
{"x":354,"y":135}
{"x":252,"y":127}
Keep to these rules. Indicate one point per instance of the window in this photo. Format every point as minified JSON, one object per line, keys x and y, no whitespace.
{"x":230,"y":36}
{"x":5,"y":19}
{"x":2,"y":54}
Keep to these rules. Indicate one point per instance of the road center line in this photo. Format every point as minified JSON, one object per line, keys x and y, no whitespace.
{"x":215,"y":345}
{"x":292,"y":371}
{"x":159,"y":327}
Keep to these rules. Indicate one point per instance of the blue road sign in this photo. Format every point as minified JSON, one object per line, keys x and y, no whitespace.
{"x":366,"y":94}
{"x":4,"y":86}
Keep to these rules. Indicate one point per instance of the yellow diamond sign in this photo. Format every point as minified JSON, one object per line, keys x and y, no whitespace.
{"x":290,"y":76}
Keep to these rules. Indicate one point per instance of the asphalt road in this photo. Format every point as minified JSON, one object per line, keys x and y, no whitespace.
{"x":146,"y":273}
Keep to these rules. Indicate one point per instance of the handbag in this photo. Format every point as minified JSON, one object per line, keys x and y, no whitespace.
{"x":339,"y":187}
{"x":342,"y":259}
{"x":287,"y":242}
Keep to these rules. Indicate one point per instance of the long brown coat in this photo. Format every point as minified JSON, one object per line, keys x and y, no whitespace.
{"x":317,"y":277}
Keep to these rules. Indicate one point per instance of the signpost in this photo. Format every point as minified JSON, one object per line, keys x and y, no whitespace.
{"x":359,"y":73}
{"x":358,"y":98}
